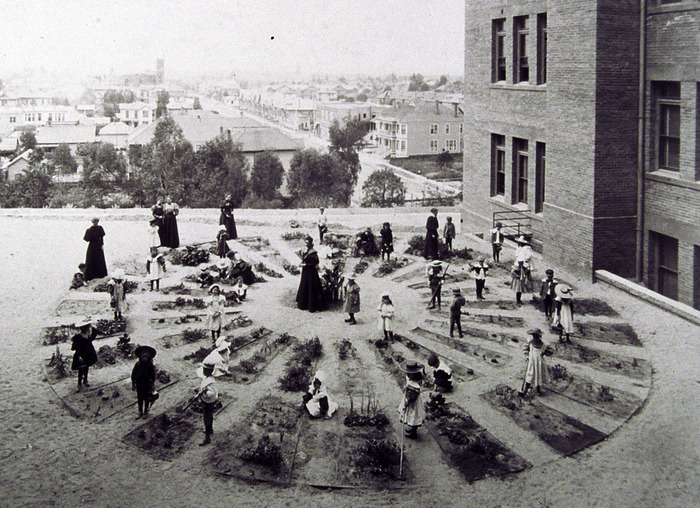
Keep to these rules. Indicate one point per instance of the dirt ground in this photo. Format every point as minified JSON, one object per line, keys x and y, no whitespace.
{"x":49,"y":458}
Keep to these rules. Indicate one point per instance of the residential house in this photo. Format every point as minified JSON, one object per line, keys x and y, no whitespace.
{"x":116,"y":133}
{"x":426,"y":129}
{"x":17,"y":166}
{"x":136,"y":113}
{"x":329,"y":112}
{"x":49,"y":137}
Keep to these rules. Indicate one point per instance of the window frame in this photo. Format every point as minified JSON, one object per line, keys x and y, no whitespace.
{"x":498,"y":165}
{"x":434,"y":129}
{"x":498,"y":50}
{"x":540,"y":178}
{"x":521,"y":64}
{"x":521,"y":157}
{"x":433,"y":145}
{"x":668,"y":103}
{"x":542,"y":48}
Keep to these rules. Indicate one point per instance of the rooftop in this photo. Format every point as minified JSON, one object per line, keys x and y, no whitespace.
{"x":427,"y":112}
{"x":69,"y":134}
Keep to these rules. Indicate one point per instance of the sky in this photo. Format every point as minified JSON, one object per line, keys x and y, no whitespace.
{"x":294,"y":37}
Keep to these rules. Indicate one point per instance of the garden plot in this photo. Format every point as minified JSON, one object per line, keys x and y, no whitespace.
{"x":82,"y":307}
{"x":488,"y":356}
{"x":64,"y":333}
{"x":636,"y":368}
{"x":390,"y":266}
{"x":562,"y":432}
{"x":468,"y":447}
{"x":165,"y":436}
{"x":410,"y":275}
{"x":594,"y":307}
{"x":180,"y":303}
{"x":614,"y":333}
{"x":264,"y":350}
{"x":259,"y":250}
{"x":235,"y":320}
{"x":611,"y":401}
{"x":498,"y":337}
{"x":495,"y":319}
{"x":409,"y":348}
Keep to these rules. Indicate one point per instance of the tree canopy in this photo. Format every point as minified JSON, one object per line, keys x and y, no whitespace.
{"x":220,"y":169}
{"x":383,"y":188}
{"x":346,"y":141}
{"x":61,"y":160}
{"x":267,"y":175}
{"x":162,"y":103}
{"x":29,"y":190}
{"x":319,"y":179}
{"x":103,"y":167}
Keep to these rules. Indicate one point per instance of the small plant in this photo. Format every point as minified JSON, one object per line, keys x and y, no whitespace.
{"x":251,"y":365}
{"x":296,"y":379}
{"x":436,"y":407}
{"x":106,"y":355}
{"x":290,"y":268}
{"x":264,"y":269}
{"x":265,"y":453}
{"x":104,"y":287}
{"x":604,"y":394}
{"x":124,"y":347}
{"x":379,"y":457}
{"x":189,"y":256}
{"x":415,"y":245}
{"x":109,"y":326}
{"x":58,"y":334}
{"x":390,"y":266}
{"x":162,"y":376}
{"x":59,"y":364}
{"x":346,"y":349}
{"x":197,"y":303}
{"x":508,"y":398}
{"x":198,"y":355}
{"x":559,"y":372}
{"x":194,"y":334}
{"x":294,"y":235}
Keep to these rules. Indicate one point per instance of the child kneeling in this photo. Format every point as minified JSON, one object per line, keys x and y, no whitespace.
{"x":317,"y":401}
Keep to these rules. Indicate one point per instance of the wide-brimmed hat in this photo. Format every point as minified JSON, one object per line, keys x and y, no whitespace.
{"x":411,"y":367}
{"x":456,"y":291}
{"x":217,"y":286}
{"x":521,"y":239}
{"x":87,"y":320}
{"x":222,"y":343}
{"x":145,"y":349}
{"x":222,"y":263}
{"x":534,"y":331}
{"x":118,"y":274}
{"x":563,"y":290}
{"x":436,"y":262}
{"x":549,"y":271}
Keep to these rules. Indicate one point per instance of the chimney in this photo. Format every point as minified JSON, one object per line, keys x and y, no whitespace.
{"x":456,"y":109}
{"x":221,"y":129}
{"x":437,"y":107}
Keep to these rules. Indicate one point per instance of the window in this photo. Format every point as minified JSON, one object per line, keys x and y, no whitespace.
{"x":498,"y":165}
{"x":451,"y":145}
{"x":38,"y":117}
{"x":542,"y":48}
{"x":433,"y":128}
{"x":403,"y":145}
{"x":50,"y":117}
{"x":540,"y":164}
{"x":403,"y":129}
{"x":447,"y":128}
{"x":669,"y":121}
{"x":13,"y":119}
{"x":665,"y":269}
{"x":433,"y":145}
{"x":461,"y":128}
{"x":520,"y":63}
{"x":498,"y":50}
{"x":520,"y":156}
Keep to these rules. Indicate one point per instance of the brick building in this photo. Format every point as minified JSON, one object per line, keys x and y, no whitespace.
{"x":581,"y":116}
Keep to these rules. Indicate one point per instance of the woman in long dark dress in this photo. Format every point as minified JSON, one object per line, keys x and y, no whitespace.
{"x":226,"y":217}
{"x":170,"y":234}
{"x":430,"y":249}
{"x":310,"y":293}
{"x":158,"y":213}
{"x":95,"y":265}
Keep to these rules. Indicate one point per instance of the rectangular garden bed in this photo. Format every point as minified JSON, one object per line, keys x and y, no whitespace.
{"x":82,"y":307}
{"x":636,"y":368}
{"x":498,"y":337}
{"x":614,"y":333}
{"x":563,"y":433}
{"x":485,"y":355}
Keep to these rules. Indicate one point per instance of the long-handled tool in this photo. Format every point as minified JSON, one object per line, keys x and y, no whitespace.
{"x":401,"y":440}
{"x":439,"y":286}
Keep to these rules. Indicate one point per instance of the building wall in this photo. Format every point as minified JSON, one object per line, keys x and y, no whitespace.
{"x":17,"y":169}
{"x":590,"y":162}
{"x":672,"y":198}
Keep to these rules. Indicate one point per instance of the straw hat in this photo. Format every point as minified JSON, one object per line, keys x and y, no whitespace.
{"x":410,"y":367}
{"x":222,"y":343}
{"x":436,"y":262}
{"x":118,"y":274}
{"x":145,"y":349}
{"x":563,"y":291}
{"x":534,"y":331}
{"x":521,"y":240}
{"x":87,"y":320}
{"x":217,"y":286}
{"x":456,"y":292}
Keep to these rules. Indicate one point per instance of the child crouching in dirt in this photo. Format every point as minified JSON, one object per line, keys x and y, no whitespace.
{"x":412,"y":409}
{"x":143,"y":378}
{"x":155,"y":268}
{"x":442,"y":374}
{"x":208,"y":393}
{"x":79,"y":277}
{"x":317,"y":401}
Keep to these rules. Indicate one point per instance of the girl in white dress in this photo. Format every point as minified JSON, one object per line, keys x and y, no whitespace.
{"x":216,"y":312}
{"x":386,"y":317}
{"x":565,"y":312}
{"x":412,"y":408}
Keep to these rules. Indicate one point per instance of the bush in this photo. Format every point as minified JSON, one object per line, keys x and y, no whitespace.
{"x":257,"y":203}
{"x":265,"y":453}
{"x":117,"y":200}
{"x":415,"y":245}
{"x":194,"y":334}
{"x":296,"y":379}
{"x":69,"y":197}
{"x":354,"y":419}
{"x":59,"y":364}
{"x":198,"y":355}
{"x":189,"y":256}
{"x":294,"y":235}
{"x":559,"y":372}
{"x":379,"y":457}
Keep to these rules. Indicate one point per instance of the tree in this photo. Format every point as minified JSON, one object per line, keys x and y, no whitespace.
{"x":29,"y":190}
{"x":267,"y":175}
{"x":220,"y":169}
{"x":383,"y":188}
{"x":346,"y":141}
{"x":167,"y":164}
{"x":162,"y":103}
{"x":444,"y":159}
{"x":361,"y":97}
{"x":61,"y":160}
{"x":27,"y":141}
{"x":319,"y":179}
{"x":442,"y":81}
{"x":417,"y":83}
{"x":104,"y":169}
{"x":196,"y":104}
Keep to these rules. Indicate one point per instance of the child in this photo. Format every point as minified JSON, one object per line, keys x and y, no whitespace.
{"x":435,"y":278}
{"x":352,"y":300}
{"x":442,"y":374}
{"x":456,"y":312}
{"x":221,"y":239}
{"x":534,"y":350}
{"x":153,"y":233}
{"x":208,"y":393}
{"x":322,"y":225}
{"x":449,"y":233}
{"x":155,"y":268}
{"x":386,"y":313}
{"x":240,"y":289}
{"x":411,"y":408}
{"x":548,"y":292}
{"x":497,"y":242}
{"x":85,"y":354}
{"x":79,"y":277}
{"x":565,"y":312}
{"x":480,"y":269}
{"x":317,"y":401}
{"x":216,"y":313}
{"x":387,"y":246}
{"x":143,"y":378}
{"x":118,"y":292}
{"x":220,"y":357}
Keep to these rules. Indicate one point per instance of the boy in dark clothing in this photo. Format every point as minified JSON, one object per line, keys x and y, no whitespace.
{"x":143,"y":377}
{"x":456,"y":311}
{"x":548,"y":293}
{"x":435,"y":278}
{"x":85,"y":354}
{"x":449,"y":233}
{"x":387,"y":246}
{"x":480,"y":269}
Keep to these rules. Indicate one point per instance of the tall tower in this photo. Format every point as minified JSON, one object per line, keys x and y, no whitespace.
{"x":160,"y":71}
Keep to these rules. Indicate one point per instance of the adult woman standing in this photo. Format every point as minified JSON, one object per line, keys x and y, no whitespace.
{"x":158,"y":212}
{"x":430,"y":249}
{"x":310,"y":293}
{"x":170,"y":234}
{"x":226,"y":217}
{"x":95,"y":266}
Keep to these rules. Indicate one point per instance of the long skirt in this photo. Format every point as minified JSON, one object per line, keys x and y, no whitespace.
{"x":310,"y":292}
{"x":171,"y":238}
{"x":95,"y":265}
{"x":414,"y":413}
{"x":430,"y":249}
{"x":535,"y":368}
{"x":230,"y":224}
{"x":566,"y":318}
